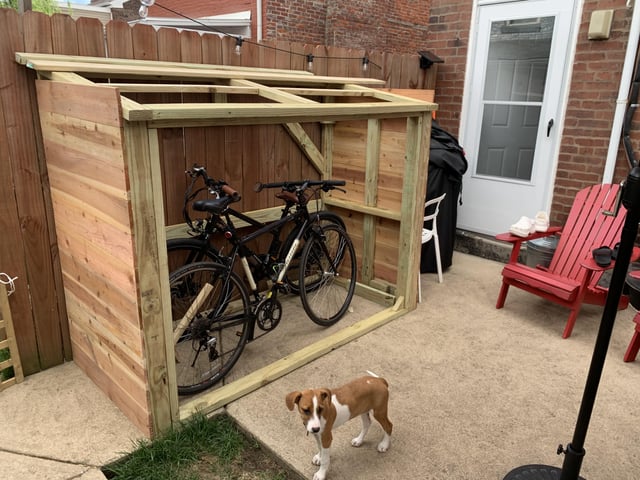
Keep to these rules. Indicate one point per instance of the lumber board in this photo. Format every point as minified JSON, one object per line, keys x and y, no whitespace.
{"x":220,"y":397}
{"x":6,"y":324}
{"x":302,"y":139}
{"x":272,"y":93}
{"x":372,"y":166}
{"x":183,"y":88}
{"x":412,"y":211}
{"x":133,"y":62}
{"x":375,"y":211}
{"x":152,"y":275}
{"x":202,"y":114}
{"x":150,"y":70}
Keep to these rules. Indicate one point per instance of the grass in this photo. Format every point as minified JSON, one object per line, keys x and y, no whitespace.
{"x":7,"y":373}
{"x":199,"y":449}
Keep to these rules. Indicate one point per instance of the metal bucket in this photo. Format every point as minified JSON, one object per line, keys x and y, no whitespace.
{"x":540,"y":251}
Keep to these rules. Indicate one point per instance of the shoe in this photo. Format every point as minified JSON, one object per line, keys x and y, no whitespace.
{"x":541,"y":222}
{"x":614,"y":252}
{"x":523,"y":227}
{"x":602,"y":256}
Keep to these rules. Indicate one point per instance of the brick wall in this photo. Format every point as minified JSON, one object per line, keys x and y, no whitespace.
{"x":449,"y":24}
{"x":382,"y":25}
{"x":592,"y":102}
{"x":592,"y":96}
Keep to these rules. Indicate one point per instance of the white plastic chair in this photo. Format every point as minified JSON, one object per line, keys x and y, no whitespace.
{"x":432,"y":234}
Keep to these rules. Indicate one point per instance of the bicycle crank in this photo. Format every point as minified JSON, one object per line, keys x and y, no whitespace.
{"x":268,"y":314}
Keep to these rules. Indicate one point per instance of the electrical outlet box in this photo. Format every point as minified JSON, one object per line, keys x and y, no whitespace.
{"x":600,"y":24}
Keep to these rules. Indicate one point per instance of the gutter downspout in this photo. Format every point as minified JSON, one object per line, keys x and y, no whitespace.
{"x":621,"y":103}
{"x":259,"y":20}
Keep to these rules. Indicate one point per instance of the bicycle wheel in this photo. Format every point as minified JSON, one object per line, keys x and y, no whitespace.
{"x":211,"y":315}
{"x":327,"y":275}
{"x":183,"y":251}
{"x":322,"y":217}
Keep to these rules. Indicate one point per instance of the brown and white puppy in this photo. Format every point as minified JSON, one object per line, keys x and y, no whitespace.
{"x":323,"y":409}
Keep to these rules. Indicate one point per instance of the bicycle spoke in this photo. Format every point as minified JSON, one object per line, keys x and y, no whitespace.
{"x":328,"y":274}
{"x":211,"y":313}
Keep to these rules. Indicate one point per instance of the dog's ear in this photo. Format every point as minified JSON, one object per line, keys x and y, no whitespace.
{"x":325,"y":395}
{"x":292,"y":399}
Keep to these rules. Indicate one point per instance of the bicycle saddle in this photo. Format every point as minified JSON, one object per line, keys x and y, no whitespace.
{"x":216,"y":206}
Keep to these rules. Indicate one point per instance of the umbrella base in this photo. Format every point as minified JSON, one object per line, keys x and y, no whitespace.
{"x":535,"y":472}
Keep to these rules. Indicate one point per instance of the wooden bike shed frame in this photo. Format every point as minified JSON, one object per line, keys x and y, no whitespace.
{"x":103,"y":162}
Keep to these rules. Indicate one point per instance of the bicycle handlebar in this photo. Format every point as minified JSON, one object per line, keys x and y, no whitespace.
{"x":221,"y":187}
{"x":326,"y":185}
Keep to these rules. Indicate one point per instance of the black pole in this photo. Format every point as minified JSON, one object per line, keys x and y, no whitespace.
{"x":574,"y":453}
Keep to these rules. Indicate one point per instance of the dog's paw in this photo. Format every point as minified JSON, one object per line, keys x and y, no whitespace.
{"x":316,"y":461}
{"x":384,"y":444}
{"x":319,"y":475}
{"x":356,"y":442}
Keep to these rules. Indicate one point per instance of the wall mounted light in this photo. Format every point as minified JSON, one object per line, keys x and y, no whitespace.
{"x":238,"y":48}
{"x":428,"y":58}
{"x":365,"y":64}
{"x":310,"y":62}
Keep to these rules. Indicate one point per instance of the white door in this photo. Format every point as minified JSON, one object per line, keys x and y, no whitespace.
{"x":514,"y":96}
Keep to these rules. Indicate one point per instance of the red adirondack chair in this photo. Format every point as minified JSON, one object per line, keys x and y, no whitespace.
{"x":572,"y":276}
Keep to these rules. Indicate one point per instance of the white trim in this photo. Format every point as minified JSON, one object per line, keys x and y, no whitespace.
{"x":564,"y":101}
{"x":623,"y":96}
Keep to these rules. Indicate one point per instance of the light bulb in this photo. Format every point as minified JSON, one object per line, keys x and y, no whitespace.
{"x":238,"y":49}
{"x":365,"y":64}
{"x":147,"y":3}
{"x":143,"y":12}
{"x":310,"y":62}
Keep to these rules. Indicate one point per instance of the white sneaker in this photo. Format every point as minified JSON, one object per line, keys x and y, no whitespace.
{"x":541,"y":222}
{"x":523,"y":227}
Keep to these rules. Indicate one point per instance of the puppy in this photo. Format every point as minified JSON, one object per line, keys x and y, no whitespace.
{"x":322,"y":410}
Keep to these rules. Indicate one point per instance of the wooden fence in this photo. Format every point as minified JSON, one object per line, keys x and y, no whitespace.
{"x":29,"y":246}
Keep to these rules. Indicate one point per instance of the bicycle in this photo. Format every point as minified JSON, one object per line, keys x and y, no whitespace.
{"x":214,"y":311}
{"x":199,"y":246}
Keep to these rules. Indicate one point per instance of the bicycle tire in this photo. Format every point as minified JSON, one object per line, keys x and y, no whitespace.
{"x":183,"y":251}
{"x":328,"y":274}
{"x":291,"y":279}
{"x":211,"y":343}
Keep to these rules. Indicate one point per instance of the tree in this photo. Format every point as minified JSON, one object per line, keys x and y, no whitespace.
{"x":45,"y":6}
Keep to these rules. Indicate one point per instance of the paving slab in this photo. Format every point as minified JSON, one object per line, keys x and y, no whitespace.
{"x":57,"y":424}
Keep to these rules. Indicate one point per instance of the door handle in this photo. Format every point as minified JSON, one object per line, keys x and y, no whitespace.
{"x":549,"y":125}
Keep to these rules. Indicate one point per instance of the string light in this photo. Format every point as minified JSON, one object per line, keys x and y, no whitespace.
{"x":143,"y":12}
{"x":144,"y":7}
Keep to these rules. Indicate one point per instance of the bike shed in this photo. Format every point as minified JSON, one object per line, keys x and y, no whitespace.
{"x":105,"y":157}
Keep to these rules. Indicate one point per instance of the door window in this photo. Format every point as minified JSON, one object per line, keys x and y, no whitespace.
{"x":512,"y":99}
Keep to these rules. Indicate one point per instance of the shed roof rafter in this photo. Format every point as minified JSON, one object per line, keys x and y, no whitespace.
{"x":282,"y":96}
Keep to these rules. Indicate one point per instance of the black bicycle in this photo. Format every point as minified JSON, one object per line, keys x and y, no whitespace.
{"x":199,"y":246}
{"x":215,"y":312}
